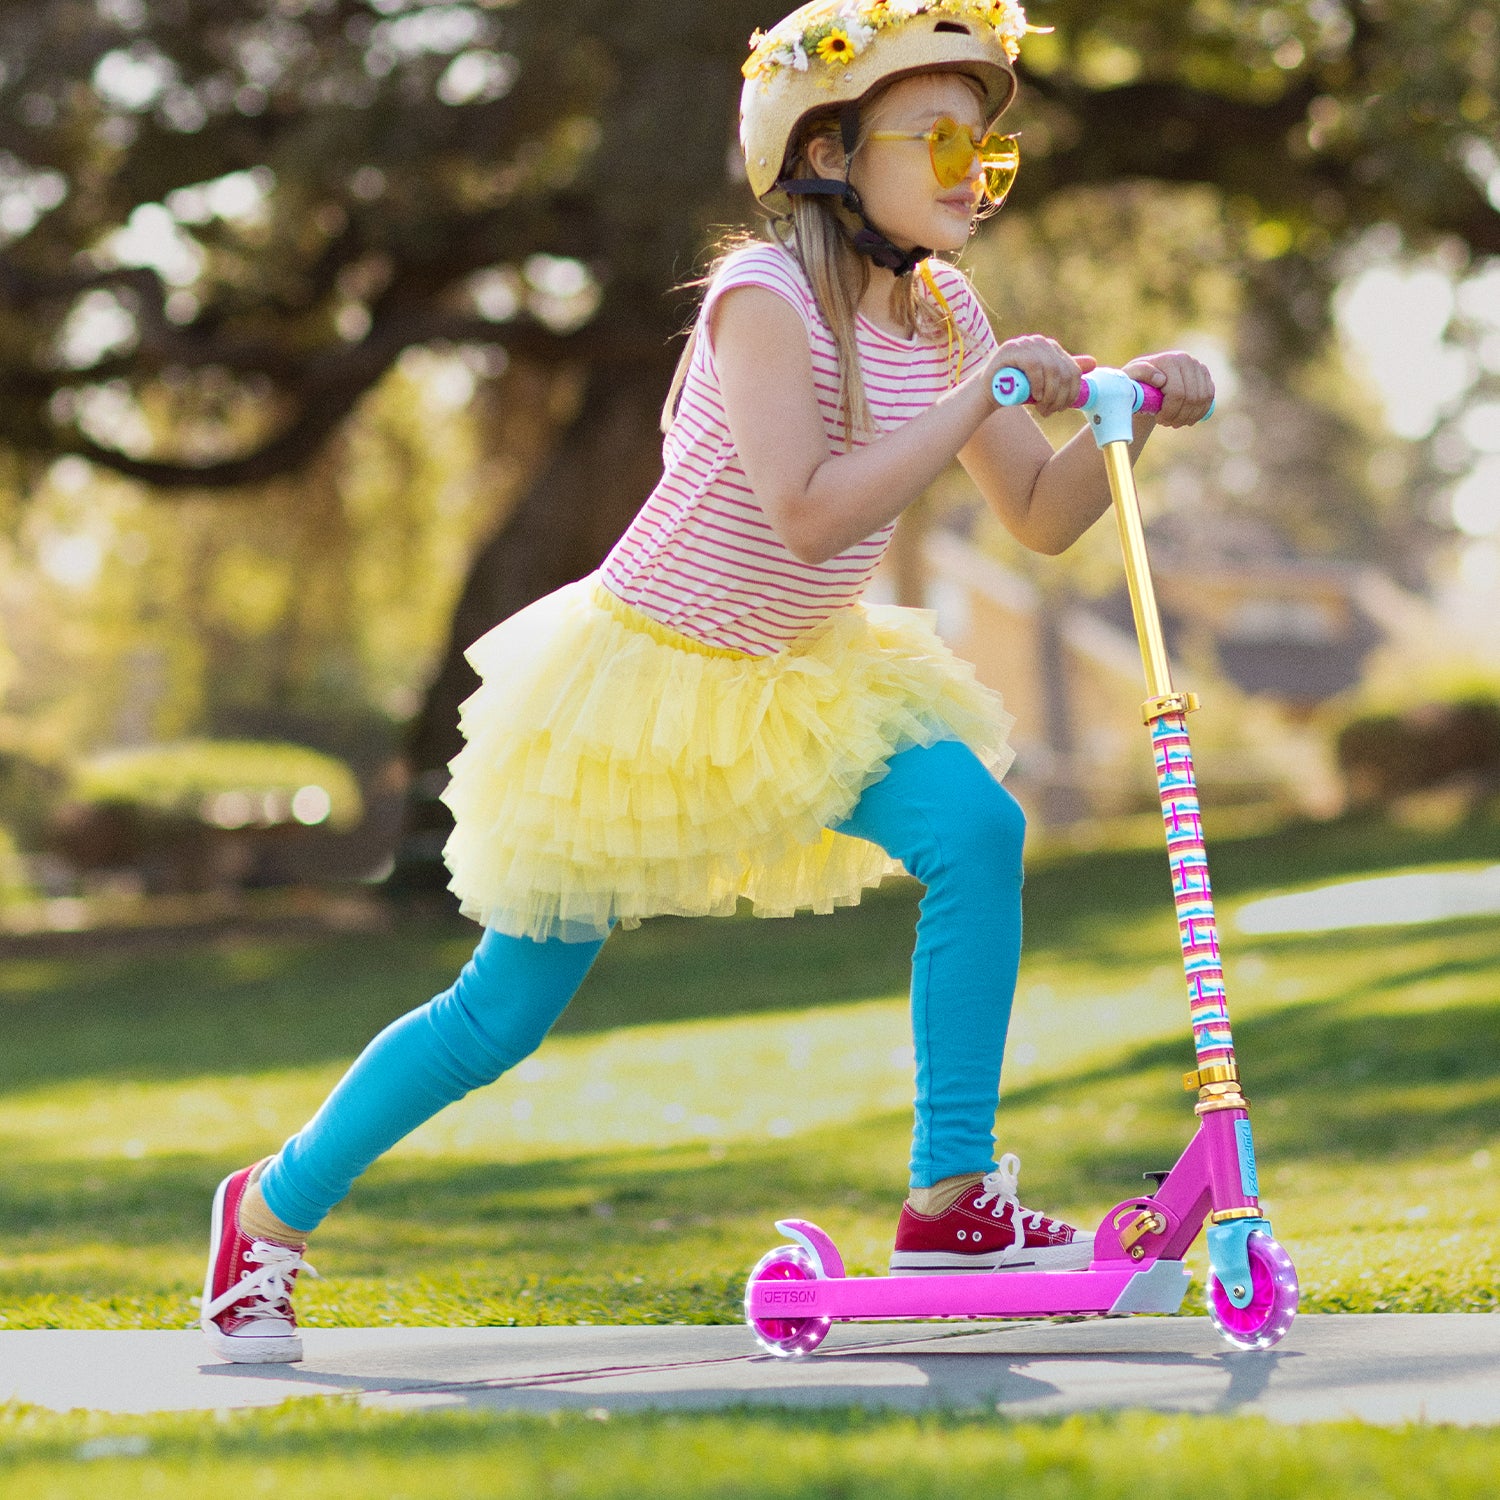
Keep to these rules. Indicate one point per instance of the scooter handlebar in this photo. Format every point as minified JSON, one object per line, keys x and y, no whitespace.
{"x":1010,"y":387}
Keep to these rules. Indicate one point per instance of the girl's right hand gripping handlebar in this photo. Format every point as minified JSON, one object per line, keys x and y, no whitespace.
{"x":1109,"y":397}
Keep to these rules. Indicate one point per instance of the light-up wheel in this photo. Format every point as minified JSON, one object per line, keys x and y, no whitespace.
{"x":786,"y":1338}
{"x":1273,"y":1298}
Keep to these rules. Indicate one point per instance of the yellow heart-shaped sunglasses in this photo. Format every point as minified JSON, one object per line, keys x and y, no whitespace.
{"x":953,"y":149}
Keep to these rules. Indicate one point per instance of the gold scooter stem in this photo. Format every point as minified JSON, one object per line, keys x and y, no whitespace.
{"x":1138,"y":570}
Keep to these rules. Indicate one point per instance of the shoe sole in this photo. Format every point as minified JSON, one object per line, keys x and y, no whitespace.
{"x":238,"y":1350}
{"x":1074,"y":1257}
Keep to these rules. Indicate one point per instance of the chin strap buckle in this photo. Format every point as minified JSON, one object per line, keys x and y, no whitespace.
{"x":871,"y":243}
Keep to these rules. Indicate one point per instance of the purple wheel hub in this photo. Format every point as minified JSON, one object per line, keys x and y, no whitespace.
{"x":1273,"y":1298}
{"x":786,"y":1338}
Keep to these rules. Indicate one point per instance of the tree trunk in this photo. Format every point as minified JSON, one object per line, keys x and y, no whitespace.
{"x":1062,"y":799}
{"x":604,"y":464}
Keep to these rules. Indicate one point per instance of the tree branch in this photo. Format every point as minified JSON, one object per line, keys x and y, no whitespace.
{"x":334,"y":382}
{"x":1174,"y":133}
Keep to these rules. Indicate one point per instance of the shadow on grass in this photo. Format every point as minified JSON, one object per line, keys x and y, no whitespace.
{"x":1331,"y":1081}
{"x":410,"y":1215}
{"x":250,"y":1005}
{"x":1071,"y":897}
{"x":1471,"y":952}
{"x":666,"y":1235}
{"x":1325,"y":1081}
{"x":662,"y":1238}
{"x":256,"y":1004}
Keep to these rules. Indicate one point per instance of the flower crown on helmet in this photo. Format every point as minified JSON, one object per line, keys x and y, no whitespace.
{"x":834,"y":32}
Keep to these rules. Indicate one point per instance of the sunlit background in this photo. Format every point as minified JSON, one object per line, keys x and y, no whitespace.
{"x":334,"y":331}
{"x":318,"y":317}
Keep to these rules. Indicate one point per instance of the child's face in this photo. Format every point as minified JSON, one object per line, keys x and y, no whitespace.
{"x":895,"y":179}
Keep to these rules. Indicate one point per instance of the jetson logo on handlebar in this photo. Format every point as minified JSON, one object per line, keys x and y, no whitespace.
{"x":1006,"y":385}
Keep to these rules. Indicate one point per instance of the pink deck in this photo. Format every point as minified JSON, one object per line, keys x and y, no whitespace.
{"x":1009,"y":1294}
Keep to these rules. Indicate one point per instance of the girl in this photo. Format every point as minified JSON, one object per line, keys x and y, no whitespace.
{"x":714,"y":714}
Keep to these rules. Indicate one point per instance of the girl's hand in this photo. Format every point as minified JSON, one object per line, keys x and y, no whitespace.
{"x":1187,"y":389}
{"x":1053,"y":372}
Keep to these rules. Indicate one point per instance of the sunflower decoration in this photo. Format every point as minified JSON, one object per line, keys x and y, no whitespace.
{"x":835,"y":33}
{"x":836,"y":47}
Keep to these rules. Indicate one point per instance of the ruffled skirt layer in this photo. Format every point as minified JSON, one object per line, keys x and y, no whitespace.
{"x":615,"y":769}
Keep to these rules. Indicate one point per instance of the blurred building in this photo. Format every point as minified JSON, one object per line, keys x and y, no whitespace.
{"x":1266,"y":645}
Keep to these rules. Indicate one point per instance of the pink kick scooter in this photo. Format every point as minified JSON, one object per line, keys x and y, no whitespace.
{"x":798,"y":1290}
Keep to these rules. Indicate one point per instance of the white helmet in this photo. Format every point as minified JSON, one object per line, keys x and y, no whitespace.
{"x":833,"y":52}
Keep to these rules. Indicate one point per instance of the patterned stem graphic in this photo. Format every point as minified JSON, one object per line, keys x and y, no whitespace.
{"x":1196,"y":927}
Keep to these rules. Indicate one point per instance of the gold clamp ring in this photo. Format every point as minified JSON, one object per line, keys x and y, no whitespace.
{"x":1169,"y":703}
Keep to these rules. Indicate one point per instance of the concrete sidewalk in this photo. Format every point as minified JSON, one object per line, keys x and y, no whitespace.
{"x":1393,"y":1368}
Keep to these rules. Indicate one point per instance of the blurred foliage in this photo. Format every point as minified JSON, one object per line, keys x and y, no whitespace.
{"x":202,"y":815}
{"x":1314,"y":117}
{"x":28,"y":789}
{"x":231,"y":783}
{"x":15,"y":884}
{"x":261,"y":205}
{"x":1115,"y":270}
{"x":316,"y":602}
{"x":1383,"y":756}
{"x":239,"y":214}
{"x":226,"y":226}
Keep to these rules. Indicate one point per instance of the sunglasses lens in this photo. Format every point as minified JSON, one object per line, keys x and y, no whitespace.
{"x":1001,"y":158}
{"x":952,"y":152}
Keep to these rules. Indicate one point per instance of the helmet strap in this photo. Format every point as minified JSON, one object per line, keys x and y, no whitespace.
{"x":867,"y":239}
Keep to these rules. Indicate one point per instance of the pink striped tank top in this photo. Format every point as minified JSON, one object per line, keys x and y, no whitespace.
{"x":702,"y":556}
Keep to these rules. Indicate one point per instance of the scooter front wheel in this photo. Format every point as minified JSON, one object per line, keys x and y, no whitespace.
{"x":786,"y":1338}
{"x":1273,"y":1298}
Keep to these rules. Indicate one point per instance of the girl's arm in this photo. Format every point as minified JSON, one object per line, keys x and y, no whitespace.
{"x":822,"y":503}
{"x":1048,"y":500}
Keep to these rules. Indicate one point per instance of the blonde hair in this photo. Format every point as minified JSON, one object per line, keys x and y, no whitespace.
{"x":838,"y":275}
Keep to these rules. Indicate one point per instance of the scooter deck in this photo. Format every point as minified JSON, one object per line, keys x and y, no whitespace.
{"x":1157,"y":1286}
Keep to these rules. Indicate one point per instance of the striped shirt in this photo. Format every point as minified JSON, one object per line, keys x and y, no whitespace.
{"x":702,"y":556}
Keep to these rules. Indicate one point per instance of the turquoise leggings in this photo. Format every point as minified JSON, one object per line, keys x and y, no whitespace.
{"x":937,"y":810}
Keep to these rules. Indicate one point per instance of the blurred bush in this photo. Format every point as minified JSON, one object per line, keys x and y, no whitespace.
{"x":15,"y":886}
{"x":1384,"y":756}
{"x":29,"y":790}
{"x":227,"y":783}
{"x":202,"y":814}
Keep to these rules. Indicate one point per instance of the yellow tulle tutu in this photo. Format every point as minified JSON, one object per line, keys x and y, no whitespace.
{"x":615,"y":769}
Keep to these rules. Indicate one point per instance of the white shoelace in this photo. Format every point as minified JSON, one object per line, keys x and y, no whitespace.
{"x":1000,"y":1187}
{"x":267,"y":1291}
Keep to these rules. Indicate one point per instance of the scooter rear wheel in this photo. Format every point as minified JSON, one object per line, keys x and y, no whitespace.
{"x":786,"y":1338}
{"x":1273,"y":1298}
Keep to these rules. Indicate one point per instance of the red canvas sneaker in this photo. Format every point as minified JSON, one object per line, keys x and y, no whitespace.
{"x":988,"y":1230}
{"x":247,"y":1314}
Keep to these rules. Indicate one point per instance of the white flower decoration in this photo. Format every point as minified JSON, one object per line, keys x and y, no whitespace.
{"x":785,"y":45}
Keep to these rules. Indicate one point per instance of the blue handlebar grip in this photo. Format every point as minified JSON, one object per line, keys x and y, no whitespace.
{"x":1010,"y":387}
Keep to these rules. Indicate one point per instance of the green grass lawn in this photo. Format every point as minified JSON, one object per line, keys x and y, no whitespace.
{"x":315,"y":1447}
{"x":716,"y":1075}
{"x":713,"y":1077}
